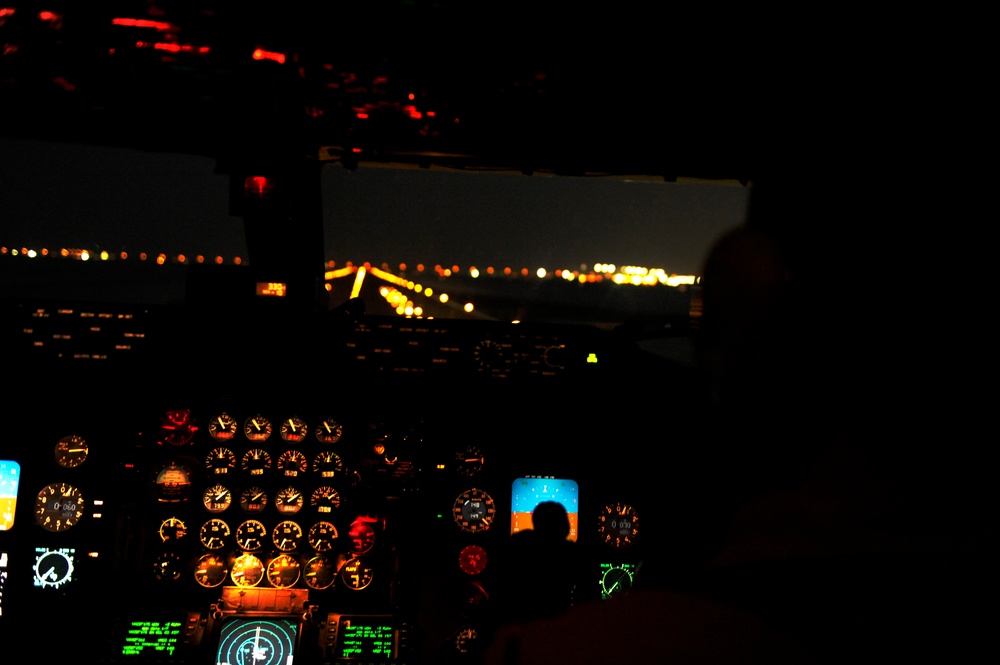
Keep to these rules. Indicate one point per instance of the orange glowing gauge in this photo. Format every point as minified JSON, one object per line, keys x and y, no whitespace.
{"x":293,"y":429}
{"x":472,"y":559}
{"x":283,"y":571}
{"x":618,"y":525}
{"x":58,"y":507}
{"x":473,"y":511}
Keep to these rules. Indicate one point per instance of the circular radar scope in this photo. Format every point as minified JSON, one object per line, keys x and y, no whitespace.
{"x":257,"y":641}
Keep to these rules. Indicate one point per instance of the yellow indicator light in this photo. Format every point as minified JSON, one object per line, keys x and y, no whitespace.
{"x":592,"y":358}
{"x":359,"y":279}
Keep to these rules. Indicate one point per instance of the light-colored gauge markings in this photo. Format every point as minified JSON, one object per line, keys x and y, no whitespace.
{"x":210,"y":570}
{"x":217,"y":498}
{"x":222,"y":427}
{"x":251,"y":535}
{"x":214,"y":534}
{"x":288,"y":500}
{"x":283,"y":571}
{"x":322,"y":536}
{"x":287,"y":536}
{"x":220,"y":461}
{"x":473,"y":511}
{"x":325,"y":499}
{"x":71,"y":451}
{"x":172,"y":529}
{"x":292,"y":462}
{"x":58,"y":507}
{"x":293,"y":429}
{"x":257,"y":428}
{"x":247,"y":570}
{"x":320,"y":572}
{"x":329,"y":431}
{"x":256,"y":461}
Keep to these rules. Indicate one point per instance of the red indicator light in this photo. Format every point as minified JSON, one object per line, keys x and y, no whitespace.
{"x":162,"y":26}
{"x":261,"y":54}
{"x":258,"y":187}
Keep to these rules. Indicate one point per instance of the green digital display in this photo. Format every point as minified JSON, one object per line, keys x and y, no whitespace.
{"x":152,"y":637}
{"x":364,"y":639}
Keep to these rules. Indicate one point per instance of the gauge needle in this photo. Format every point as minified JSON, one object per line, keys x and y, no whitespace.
{"x":50,"y":572}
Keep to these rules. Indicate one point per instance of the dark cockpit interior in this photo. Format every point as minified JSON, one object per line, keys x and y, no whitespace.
{"x":284,"y":438}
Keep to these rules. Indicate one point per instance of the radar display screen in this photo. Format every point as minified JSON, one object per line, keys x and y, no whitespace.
{"x":259,"y":641}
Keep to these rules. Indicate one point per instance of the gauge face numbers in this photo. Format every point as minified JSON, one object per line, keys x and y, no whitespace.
{"x":472,"y":559}
{"x":167,"y":567}
{"x":71,"y":451}
{"x":214,"y":534}
{"x":253,"y":500}
{"x":177,"y":427}
{"x":292,"y":462}
{"x":222,"y":427}
{"x":288,"y":500}
{"x":220,"y":461}
{"x":474,"y":510}
{"x":287,"y":536}
{"x":322,"y":536}
{"x":616,"y":580}
{"x":172,"y":529}
{"x":256,"y":461}
{"x":361,"y":536}
{"x":469,"y":461}
{"x":251,"y":535}
{"x":58,"y":507}
{"x":247,"y":570}
{"x":329,"y":431}
{"x":324,"y":499}
{"x":328,"y":464}
{"x":210,"y":570}
{"x":53,"y":568}
{"x":257,"y":428}
{"x":618,"y":525}
{"x":356,"y":574}
{"x":283,"y":571}
{"x":293,"y":429}
{"x":320,"y":572}
{"x":216,"y":499}
{"x":466,"y":639}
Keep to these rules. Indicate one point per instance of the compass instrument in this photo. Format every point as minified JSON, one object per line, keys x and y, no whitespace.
{"x":247,"y":570}
{"x":214,"y":534}
{"x":58,"y":507}
{"x":222,"y":427}
{"x":210,"y":570}
{"x":216,"y":498}
{"x":257,"y":428}
{"x":473,"y":511}
{"x":293,"y":429}
{"x":283,"y":571}
{"x":71,"y":451}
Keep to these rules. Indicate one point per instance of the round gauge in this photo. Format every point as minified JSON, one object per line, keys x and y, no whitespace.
{"x":58,"y":507}
{"x":469,"y":461}
{"x":214,"y":534}
{"x":466,"y":639}
{"x":328,"y":464}
{"x":293,"y":429}
{"x":216,"y":498}
{"x":247,"y":570}
{"x":172,"y":529}
{"x":173,"y":482}
{"x":71,"y":451}
{"x":167,"y":567}
{"x":257,"y":428}
{"x":177,"y":427}
{"x":292,"y":463}
{"x":616,"y":581}
{"x":253,"y":500}
{"x":222,"y":427}
{"x":474,"y":510}
{"x":329,"y":431}
{"x":287,"y":536}
{"x":618,"y":525}
{"x":362,"y":537}
{"x":356,"y":574}
{"x":250,"y":536}
{"x":288,"y":500}
{"x":283,"y":571}
{"x":256,"y":461}
{"x":53,"y":568}
{"x":210,"y":570}
{"x":320,"y":572}
{"x":322,"y":536}
{"x":472,"y":559}
{"x":325,"y":499}
{"x":220,"y":461}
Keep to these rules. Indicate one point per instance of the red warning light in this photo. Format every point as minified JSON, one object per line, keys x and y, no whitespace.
{"x":258,"y":187}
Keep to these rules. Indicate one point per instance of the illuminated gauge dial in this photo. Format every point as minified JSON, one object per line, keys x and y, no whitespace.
{"x":167,"y":567}
{"x":210,"y":570}
{"x":256,"y":461}
{"x":291,"y":463}
{"x":356,"y":574}
{"x":328,"y":464}
{"x":469,"y":461}
{"x":287,"y":536}
{"x":53,"y":568}
{"x":618,"y":525}
{"x":257,"y":428}
{"x":58,"y":507}
{"x":220,"y":461}
{"x":466,"y":639}
{"x":177,"y":427}
{"x":329,"y":431}
{"x":216,"y":498}
{"x":616,"y":581}
{"x":214,"y":534}
{"x":222,"y":427}
{"x":322,"y":536}
{"x":173,"y":483}
{"x":247,"y":570}
{"x":283,"y":571}
{"x":71,"y":451}
{"x":474,"y":510}
{"x":253,"y":499}
{"x":288,"y":500}
{"x":472,"y":559}
{"x":293,"y":429}
{"x":172,"y":529}
{"x":320,"y":572}
{"x":324,"y":499}
{"x":251,"y":535}
{"x":362,"y":536}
